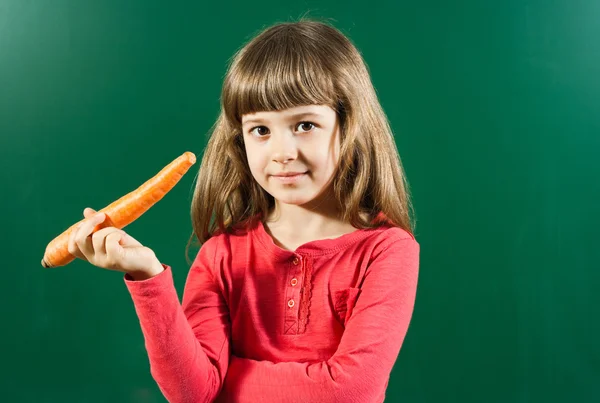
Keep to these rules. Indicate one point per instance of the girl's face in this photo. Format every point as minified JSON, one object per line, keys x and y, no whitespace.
{"x":304,"y":140}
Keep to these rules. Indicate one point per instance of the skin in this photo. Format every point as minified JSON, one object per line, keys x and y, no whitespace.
{"x":112,"y":248}
{"x":279,"y":142}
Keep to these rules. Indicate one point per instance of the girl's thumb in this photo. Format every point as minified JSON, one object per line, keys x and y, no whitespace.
{"x":88,"y":212}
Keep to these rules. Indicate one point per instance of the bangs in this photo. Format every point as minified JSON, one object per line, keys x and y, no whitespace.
{"x":276,"y":74}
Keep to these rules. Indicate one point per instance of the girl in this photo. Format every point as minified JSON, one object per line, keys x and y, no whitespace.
{"x":304,"y":286}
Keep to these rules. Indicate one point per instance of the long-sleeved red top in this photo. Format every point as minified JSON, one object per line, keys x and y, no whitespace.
{"x":259,"y":323}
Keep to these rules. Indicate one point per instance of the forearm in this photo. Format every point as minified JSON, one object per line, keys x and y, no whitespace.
{"x":295,"y":382}
{"x":178,"y":363}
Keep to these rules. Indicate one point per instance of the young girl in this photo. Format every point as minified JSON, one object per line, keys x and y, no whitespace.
{"x":304,"y":286}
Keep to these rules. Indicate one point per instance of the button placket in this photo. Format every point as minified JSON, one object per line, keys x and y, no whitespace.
{"x":293,"y":294}
{"x":296,"y":261}
{"x":297,"y":295}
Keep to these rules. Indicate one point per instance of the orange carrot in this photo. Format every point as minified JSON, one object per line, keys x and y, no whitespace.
{"x":125,"y":210}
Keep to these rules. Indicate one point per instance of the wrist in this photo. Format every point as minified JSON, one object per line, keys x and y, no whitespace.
{"x":155,"y":270}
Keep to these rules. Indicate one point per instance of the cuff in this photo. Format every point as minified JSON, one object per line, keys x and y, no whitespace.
{"x":162,"y":280}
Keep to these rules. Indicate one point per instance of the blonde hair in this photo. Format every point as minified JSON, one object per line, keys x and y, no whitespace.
{"x":292,"y":64}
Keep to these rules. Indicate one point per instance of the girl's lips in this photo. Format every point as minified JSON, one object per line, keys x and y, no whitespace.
{"x":290,"y":179}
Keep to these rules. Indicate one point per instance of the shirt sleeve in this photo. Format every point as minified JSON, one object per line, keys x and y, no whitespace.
{"x":188,"y":343}
{"x":360,"y":368}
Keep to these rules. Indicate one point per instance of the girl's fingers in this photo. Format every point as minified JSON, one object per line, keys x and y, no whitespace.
{"x":114,"y":251}
{"x":88,"y":211}
{"x":72,"y":245}
{"x":102,"y":248}
{"x":99,"y":239}
{"x":83,"y":237}
{"x":83,"y":243}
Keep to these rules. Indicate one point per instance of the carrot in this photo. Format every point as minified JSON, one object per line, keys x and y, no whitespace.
{"x":125,"y":210}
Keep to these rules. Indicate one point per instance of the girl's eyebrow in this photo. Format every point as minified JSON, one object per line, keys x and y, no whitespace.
{"x":292,"y":117}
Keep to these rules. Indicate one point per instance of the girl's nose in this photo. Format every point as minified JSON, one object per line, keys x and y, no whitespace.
{"x":284,"y":148}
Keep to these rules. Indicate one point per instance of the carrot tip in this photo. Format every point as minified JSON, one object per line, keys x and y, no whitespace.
{"x":191,"y":156}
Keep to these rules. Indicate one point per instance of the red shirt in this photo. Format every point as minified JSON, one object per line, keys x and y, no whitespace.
{"x":259,"y":323}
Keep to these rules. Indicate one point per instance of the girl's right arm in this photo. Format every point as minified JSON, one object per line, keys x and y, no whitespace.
{"x":187,"y":344}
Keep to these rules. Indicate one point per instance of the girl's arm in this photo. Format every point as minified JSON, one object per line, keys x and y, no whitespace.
{"x":359,"y":370}
{"x":187,"y":344}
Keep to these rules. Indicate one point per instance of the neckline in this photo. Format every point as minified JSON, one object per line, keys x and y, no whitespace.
{"x":317,"y":247}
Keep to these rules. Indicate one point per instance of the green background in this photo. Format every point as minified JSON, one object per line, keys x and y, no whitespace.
{"x":496,"y":111}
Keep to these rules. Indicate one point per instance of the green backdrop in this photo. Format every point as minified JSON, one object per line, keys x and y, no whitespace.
{"x":496,"y":110}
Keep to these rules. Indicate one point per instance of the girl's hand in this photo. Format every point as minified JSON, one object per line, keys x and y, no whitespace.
{"x":112,"y":248}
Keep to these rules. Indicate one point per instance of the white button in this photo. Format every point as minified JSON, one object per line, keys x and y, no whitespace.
{"x":294,"y":281}
{"x":295,"y":261}
{"x":291,"y":303}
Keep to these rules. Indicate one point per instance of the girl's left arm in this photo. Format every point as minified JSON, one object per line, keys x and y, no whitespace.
{"x":360,"y":368}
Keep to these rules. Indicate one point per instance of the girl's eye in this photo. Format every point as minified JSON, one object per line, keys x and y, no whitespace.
{"x":303,"y":125}
{"x":257,"y":127}
{"x":306,"y":123}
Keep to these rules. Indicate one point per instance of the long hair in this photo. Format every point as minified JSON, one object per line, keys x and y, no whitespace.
{"x":294,"y":64}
